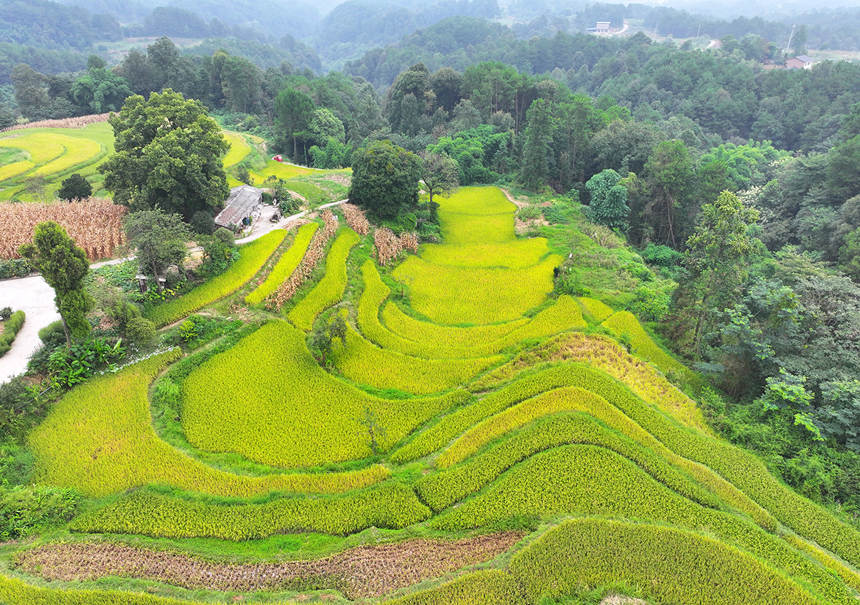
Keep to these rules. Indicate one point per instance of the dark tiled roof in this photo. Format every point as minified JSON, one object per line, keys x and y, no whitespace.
{"x":804,"y":58}
{"x":241,"y":203}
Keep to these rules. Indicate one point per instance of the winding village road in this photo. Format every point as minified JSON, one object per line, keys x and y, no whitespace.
{"x":36,"y":298}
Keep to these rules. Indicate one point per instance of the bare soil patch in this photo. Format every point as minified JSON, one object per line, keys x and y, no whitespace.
{"x":364,"y":571}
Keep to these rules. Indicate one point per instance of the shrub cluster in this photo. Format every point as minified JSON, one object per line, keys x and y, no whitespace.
{"x":285,"y":266}
{"x":251,"y":259}
{"x":312,"y":257}
{"x":389,"y":505}
{"x":16,"y":267}
{"x":11,"y":327}
{"x":331,"y":287}
{"x":25,"y":509}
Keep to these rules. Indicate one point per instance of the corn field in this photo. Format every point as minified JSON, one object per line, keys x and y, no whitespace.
{"x":94,"y":224}
{"x":78,"y":122}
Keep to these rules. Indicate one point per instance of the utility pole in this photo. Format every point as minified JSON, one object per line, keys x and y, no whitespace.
{"x":788,"y":44}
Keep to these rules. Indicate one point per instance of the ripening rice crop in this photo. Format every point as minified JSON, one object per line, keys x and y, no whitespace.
{"x":387,"y":505}
{"x":746,"y":472}
{"x":595,"y":309}
{"x":330,"y":288}
{"x":99,"y":440}
{"x":448,"y":337}
{"x":251,"y":259}
{"x":562,"y":315}
{"x":285,"y":266}
{"x":604,"y":353}
{"x":476,"y":215}
{"x":94,"y":224}
{"x":239,"y":148}
{"x":269,"y":400}
{"x":365,"y":363}
{"x":485,"y":587}
{"x":591,"y":480}
{"x":624,"y":323}
{"x":14,"y":591}
{"x":441,"y":490}
{"x":15,"y":168}
{"x":40,"y":147}
{"x":457,"y":295}
{"x":516,"y":254}
{"x":670,"y":565}
{"x":78,"y":151}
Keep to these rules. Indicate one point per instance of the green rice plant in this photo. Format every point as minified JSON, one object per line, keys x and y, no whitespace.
{"x":562,"y":315}
{"x":607,"y":355}
{"x":365,"y":363}
{"x":14,"y":591}
{"x":485,"y":587}
{"x":42,"y":147}
{"x":77,"y":152}
{"x":285,"y":266}
{"x":476,"y":215}
{"x":388,"y":505}
{"x":447,"y":337}
{"x":589,"y":480}
{"x":330,"y":288}
{"x":99,"y":440}
{"x":449,"y":427}
{"x":625,"y":325}
{"x":848,"y":575}
{"x":762,"y":494}
{"x":251,"y":259}
{"x":441,"y":490}
{"x":456,"y":295}
{"x":515,"y":254}
{"x":551,"y":402}
{"x":670,"y":565}
{"x":594,"y":308}
{"x":15,"y":168}
{"x":269,"y":400}
{"x":239,"y":148}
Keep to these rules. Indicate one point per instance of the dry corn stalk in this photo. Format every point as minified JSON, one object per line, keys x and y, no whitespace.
{"x":313,"y":255}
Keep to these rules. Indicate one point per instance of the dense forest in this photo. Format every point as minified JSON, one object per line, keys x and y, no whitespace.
{"x":645,"y":135}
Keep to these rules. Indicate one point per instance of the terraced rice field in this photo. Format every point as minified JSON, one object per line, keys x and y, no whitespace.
{"x":52,"y":154}
{"x":470,"y":439}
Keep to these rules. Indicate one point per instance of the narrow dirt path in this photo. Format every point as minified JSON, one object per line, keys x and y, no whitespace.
{"x":364,"y":571}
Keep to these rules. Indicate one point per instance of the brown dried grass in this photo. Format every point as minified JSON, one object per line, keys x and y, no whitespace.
{"x":387,"y":246}
{"x":356,"y":219}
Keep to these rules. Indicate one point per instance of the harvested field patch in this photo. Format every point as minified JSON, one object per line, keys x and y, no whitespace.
{"x":364,"y":571}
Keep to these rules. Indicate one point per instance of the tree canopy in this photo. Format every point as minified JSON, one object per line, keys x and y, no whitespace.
{"x":385,"y":179}
{"x":168,"y":154}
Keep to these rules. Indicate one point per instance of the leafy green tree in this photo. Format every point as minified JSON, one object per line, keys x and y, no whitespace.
{"x":99,"y":89}
{"x":716,"y":257}
{"x":608,"y":205}
{"x":669,"y":175}
{"x":843,"y":169}
{"x":385,"y":179}
{"x":324,"y":125}
{"x":31,"y":91}
{"x":168,"y":155}
{"x":240,"y":84}
{"x":849,"y":254}
{"x":74,"y":187}
{"x":439,"y":173}
{"x":293,"y":113}
{"x":64,"y":266}
{"x":158,"y":239}
{"x":322,"y":337}
{"x":538,"y":135}
{"x":447,"y":84}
